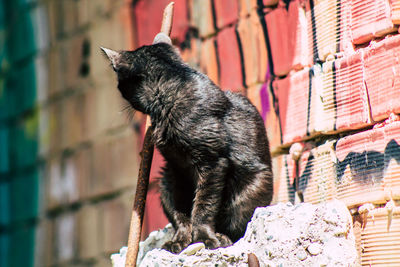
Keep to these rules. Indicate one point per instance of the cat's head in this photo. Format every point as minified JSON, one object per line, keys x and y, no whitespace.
{"x":139,"y":71}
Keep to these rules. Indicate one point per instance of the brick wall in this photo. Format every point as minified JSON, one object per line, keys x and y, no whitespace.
{"x":324,"y":76}
{"x":68,"y":152}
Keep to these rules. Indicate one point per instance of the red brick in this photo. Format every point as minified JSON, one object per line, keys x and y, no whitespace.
{"x":270,"y":2}
{"x":392,"y":166}
{"x":307,"y":176}
{"x":227,"y":12}
{"x":395,"y":11}
{"x":369,"y":19}
{"x":352,"y":110}
{"x":317,"y":122}
{"x":229,"y":60}
{"x":245,"y":7}
{"x":317,"y":171}
{"x":250,"y":48}
{"x":357,"y":229}
{"x":283,"y":184}
{"x":202,"y":16}
{"x":339,"y":100}
{"x":367,"y":167}
{"x":269,"y":112}
{"x":381,"y":76}
{"x":208,"y":60}
{"x":148,"y":16}
{"x":181,"y":22}
{"x":298,"y":35}
{"x":344,"y":31}
{"x":253,"y":94}
{"x":277,"y":167}
{"x":292,"y":93}
{"x":261,"y":45}
{"x":322,"y":109}
{"x":326,"y":21}
{"x":278,"y":32}
{"x":328,"y":26}
{"x":192,"y":54}
{"x":286,"y":190}
{"x":378,"y":238}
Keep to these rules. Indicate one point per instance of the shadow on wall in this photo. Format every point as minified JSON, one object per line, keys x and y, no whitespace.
{"x":367,"y":168}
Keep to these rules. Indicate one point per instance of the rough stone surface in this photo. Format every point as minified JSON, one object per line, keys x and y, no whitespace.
{"x":279,"y":235}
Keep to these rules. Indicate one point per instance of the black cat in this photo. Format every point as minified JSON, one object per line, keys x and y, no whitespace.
{"x":218,"y":165}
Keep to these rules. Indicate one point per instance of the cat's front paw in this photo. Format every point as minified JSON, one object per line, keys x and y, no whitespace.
{"x":181,"y":240}
{"x":223,"y":239}
{"x":206,"y":235}
{"x":175,"y":246}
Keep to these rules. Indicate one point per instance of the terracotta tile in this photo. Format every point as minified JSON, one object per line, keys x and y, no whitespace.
{"x":208,"y":60}
{"x":227,"y":12}
{"x":382,"y":70}
{"x":278,"y":32}
{"x":369,"y":19}
{"x":148,"y":17}
{"x":229,"y":60}
{"x":293,"y":97}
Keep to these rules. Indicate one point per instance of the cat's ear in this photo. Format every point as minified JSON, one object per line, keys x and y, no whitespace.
{"x":162,"y":38}
{"x":113,"y":56}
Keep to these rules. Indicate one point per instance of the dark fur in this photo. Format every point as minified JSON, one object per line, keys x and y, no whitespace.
{"x":218,"y":166}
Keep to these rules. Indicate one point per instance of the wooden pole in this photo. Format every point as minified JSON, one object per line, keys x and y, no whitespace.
{"x":135,"y":228}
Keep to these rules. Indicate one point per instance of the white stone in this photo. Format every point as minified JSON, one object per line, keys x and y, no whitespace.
{"x":193,"y":248}
{"x":314,"y":249}
{"x":279,"y":234}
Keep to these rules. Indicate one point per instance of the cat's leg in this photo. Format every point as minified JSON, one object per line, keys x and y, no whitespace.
{"x":207,"y":204}
{"x":173,"y":203}
{"x":256,"y":192}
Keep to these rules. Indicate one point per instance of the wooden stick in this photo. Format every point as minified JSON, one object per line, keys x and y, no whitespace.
{"x":140,"y":199}
{"x":166,"y":25}
{"x":144,"y":169}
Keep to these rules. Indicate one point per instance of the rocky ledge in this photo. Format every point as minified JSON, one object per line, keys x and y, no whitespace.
{"x":278,"y":235}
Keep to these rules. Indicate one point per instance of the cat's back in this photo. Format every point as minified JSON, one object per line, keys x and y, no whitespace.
{"x":247,"y":131}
